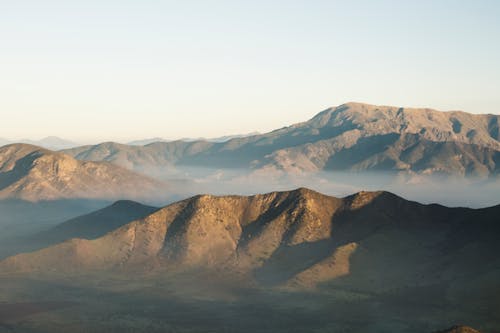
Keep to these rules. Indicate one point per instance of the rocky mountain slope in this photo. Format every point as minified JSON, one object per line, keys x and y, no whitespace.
{"x":32,"y":173}
{"x":352,"y":136}
{"x":370,"y":242}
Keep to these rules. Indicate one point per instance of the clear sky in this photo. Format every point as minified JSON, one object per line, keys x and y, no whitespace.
{"x":121,"y":69}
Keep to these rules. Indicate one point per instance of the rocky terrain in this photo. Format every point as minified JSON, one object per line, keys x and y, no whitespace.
{"x":35,"y":174}
{"x":352,"y":136}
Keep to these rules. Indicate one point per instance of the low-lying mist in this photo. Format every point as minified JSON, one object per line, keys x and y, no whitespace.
{"x":19,"y":220}
{"x":440,"y":189}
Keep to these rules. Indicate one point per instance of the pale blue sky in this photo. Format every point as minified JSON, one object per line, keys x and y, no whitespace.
{"x":121,"y":69}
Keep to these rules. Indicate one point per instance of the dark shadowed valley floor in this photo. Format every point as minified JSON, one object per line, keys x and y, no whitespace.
{"x":184,"y":306}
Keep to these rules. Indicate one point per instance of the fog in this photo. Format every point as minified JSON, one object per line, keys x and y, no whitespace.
{"x":427,"y":189}
{"x":20,"y":220}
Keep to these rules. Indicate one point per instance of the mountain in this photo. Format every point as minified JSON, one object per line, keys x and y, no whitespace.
{"x":225,"y":138}
{"x":367,"y":137}
{"x":301,"y":239}
{"x":96,"y":224}
{"x":220,"y":139}
{"x":50,"y":142}
{"x":144,"y":142}
{"x":371,"y":261}
{"x":32,"y":173}
{"x":144,"y":159}
{"x":351,"y":137}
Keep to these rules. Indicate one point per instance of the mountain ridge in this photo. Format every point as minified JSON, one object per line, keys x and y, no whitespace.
{"x":293,"y":239}
{"x":50,"y":142}
{"x":387,"y":138}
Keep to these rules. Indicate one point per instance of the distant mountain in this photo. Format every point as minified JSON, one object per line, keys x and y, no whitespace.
{"x":32,"y":173}
{"x":369,"y":242}
{"x":145,"y":159}
{"x":217,"y":139}
{"x":366,"y":137}
{"x":146,"y":141}
{"x":350,"y":137}
{"x":96,"y":224}
{"x":50,"y":142}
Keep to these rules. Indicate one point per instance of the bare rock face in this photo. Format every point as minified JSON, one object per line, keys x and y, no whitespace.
{"x":297,"y":239}
{"x":32,"y":173}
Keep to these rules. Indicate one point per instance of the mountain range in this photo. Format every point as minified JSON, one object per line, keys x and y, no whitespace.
{"x":350,"y":137}
{"x":224,"y":138}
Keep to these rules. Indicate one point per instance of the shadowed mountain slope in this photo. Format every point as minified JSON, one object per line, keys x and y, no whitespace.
{"x":352,"y":136}
{"x":96,"y":224}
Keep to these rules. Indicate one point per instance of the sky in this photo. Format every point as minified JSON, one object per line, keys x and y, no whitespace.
{"x":119,"y":70}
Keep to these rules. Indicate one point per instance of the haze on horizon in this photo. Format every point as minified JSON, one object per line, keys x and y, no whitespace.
{"x":124,"y":70}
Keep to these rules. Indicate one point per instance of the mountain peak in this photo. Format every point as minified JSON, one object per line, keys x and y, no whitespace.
{"x":304,"y":192}
{"x":32,"y":173}
{"x":125,"y":204}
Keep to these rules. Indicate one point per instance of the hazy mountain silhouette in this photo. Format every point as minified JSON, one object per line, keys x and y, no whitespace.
{"x":225,"y":138}
{"x":50,"y":142}
{"x":96,"y":224}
